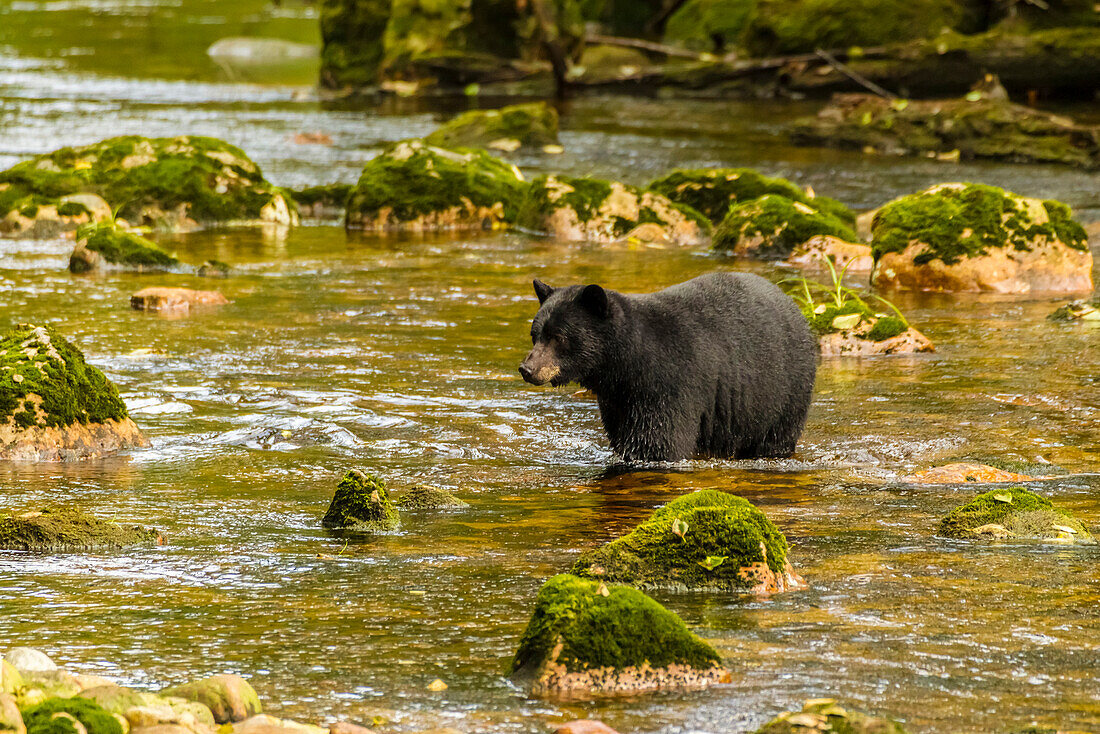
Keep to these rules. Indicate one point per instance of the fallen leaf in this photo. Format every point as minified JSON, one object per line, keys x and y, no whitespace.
{"x":553,"y":149}
{"x":712,"y":562}
{"x":437,"y":686}
{"x":602,"y":589}
{"x":1003,"y":497}
{"x":679,"y":527}
{"x":508,"y":145}
{"x":847,"y":321}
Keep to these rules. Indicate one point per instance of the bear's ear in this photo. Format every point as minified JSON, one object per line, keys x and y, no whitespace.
{"x":594,"y":298}
{"x":542,"y":290}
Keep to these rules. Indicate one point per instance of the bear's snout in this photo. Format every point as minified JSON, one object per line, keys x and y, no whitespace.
{"x":537,"y":369}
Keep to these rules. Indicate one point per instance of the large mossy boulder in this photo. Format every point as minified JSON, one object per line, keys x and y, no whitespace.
{"x":712,"y":191}
{"x":229,"y":697}
{"x":586,"y":637}
{"x":713,"y":26}
{"x":1014,"y":512}
{"x":415,"y":187}
{"x":971,"y":127}
{"x":70,"y":716}
{"x":68,"y":529}
{"x":851,"y":328}
{"x":531,"y":125}
{"x":965,"y":237}
{"x":53,"y":405}
{"x":361,"y":505}
{"x":801,"y":26}
{"x":773,"y":226}
{"x":593,"y":210}
{"x":823,"y":715}
{"x":706,"y":540}
{"x":172,"y":183}
{"x":109,"y":247}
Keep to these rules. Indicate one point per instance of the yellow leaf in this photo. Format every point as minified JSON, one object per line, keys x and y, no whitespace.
{"x":437,"y":686}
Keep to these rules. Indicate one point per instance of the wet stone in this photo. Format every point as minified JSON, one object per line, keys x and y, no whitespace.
{"x":230,"y":698}
{"x":361,"y":505}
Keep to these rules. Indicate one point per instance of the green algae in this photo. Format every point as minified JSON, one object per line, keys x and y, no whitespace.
{"x":333,"y":196}
{"x":427,"y":497}
{"x":56,"y":716}
{"x":967,"y":220}
{"x":712,"y":191}
{"x":68,"y":529}
{"x":622,"y":629}
{"x":211,"y":180}
{"x":37,"y":361}
{"x":361,"y":504}
{"x":410,"y":180}
{"x":1024,"y":514}
{"x":779,"y":224}
{"x":533,"y":124}
{"x":887,"y":327}
{"x":352,"y":32}
{"x":120,"y":248}
{"x":709,"y":25}
{"x":825,"y":715}
{"x":718,"y":525}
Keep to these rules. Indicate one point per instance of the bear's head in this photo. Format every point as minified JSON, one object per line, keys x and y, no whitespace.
{"x":571,"y":334}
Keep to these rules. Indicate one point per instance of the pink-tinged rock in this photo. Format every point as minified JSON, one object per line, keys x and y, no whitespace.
{"x":174,"y":300}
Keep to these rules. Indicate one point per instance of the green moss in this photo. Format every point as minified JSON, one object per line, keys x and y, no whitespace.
{"x":957,"y":222}
{"x":780,"y":224}
{"x":712,"y":191}
{"x":427,"y":497}
{"x":120,"y":248}
{"x":45,"y":719}
{"x":1078,"y":311}
{"x":719,"y":525}
{"x":133,"y":173}
{"x":68,"y":529}
{"x":825,"y":715}
{"x":801,"y":26}
{"x":352,"y":31}
{"x":333,"y":196}
{"x":623,"y":629}
{"x":411,"y":179}
{"x":887,"y":327}
{"x":709,"y":25}
{"x":1025,"y":515}
{"x":534,"y":124}
{"x":361,"y":504}
{"x":71,"y":209}
{"x":71,"y":391}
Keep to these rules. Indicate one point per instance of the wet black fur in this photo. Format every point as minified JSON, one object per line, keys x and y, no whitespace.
{"x":720,"y":366}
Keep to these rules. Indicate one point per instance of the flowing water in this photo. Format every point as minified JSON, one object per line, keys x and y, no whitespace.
{"x":400,"y":355}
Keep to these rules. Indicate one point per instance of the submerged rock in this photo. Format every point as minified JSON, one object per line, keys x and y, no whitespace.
{"x":531,"y":125}
{"x":772,"y":226}
{"x":821,"y":249}
{"x":230,"y":698}
{"x":427,"y":497}
{"x":1014,"y":512}
{"x":961,"y":237}
{"x":109,"y":247}
{"x":70,"y":716}
{"x":712,"y":191}
{"x":68,"y":529}
{"x":328,"y":201}
{"x":415,"y":187}
{"x":174,"y":300}
{"x":171,"y":183}
{"x":361,"y":504}
{"x":963,"y":472}
{"x":594,"y":210}
{"x":972,"y":127}
{"x":1081,"y":310}
{"x":53,"y":405}
{"x":825,"y":715}
{"x":706,"y":540}
{"x":586,"y":637}
{"x":264,"y":724}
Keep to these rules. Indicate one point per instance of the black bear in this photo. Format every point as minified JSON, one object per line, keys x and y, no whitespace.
{"x":720,"y":366}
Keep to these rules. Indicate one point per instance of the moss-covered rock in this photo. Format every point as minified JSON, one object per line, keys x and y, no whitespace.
{"x":594,"y":210}
{"x":70,"y":716}
{"x":712,"y":191}
{"x":973,"y":237}
{"x":533,"y":125}
{"x":852,"y":328}
{"x":361,"y":504}
{"x":1081,"y":310}
{"x":427,"y":497}
{"x":352,"y":32}
{"x":704,"y":540}
{"x":972,"y":127}
{"x":109,"y":247}
{"x":1014,"y":512}
{"x":172,"y":183}
{"x":68,"y":529}
{"x":55,"y":406}
{"x":713,"y":26}
{"x":328,"y":201}
{"x":29,"y":219}
{"x":229,"y":697}
{"x":821,"y":715}
{"x":772,"y":226}
{"x":412,"y":186}
{"x":802,"y":26}
{"x":821,"y":250}
{"x":141,"y":708}
{"x":587,"y":637}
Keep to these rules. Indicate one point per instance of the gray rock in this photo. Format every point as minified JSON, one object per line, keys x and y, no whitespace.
{"x":29,"y":660}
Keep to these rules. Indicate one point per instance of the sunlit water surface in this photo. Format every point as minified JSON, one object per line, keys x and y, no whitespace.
{"x":400,"y":356}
